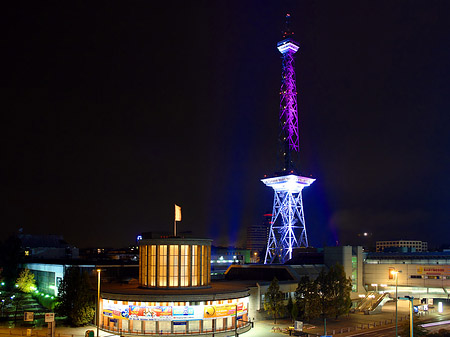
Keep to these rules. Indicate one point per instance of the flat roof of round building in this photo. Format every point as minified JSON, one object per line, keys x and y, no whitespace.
{"x":175,"y":241}
{"x":132,"y":292}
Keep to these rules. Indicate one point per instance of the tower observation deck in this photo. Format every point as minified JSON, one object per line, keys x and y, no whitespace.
{"x":288,"y":228}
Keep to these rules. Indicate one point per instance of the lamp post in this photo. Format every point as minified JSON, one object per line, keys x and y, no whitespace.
{"x":395,"y":273}
{"x":411,"y":314}
{"x":236,"y":321}
{"x":98,"y":301}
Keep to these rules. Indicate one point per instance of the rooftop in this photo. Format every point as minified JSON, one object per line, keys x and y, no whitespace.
{"x":217,"y":291}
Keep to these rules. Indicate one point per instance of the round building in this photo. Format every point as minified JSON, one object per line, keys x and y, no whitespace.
{"x":175,"y":294}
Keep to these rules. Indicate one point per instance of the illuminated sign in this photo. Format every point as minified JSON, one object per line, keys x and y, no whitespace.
{"x":431,"y":270}
{"x":115,"y":310}
{"x":224,"y":310}
{"x":150,"y":313}
{"x":181,"y":313}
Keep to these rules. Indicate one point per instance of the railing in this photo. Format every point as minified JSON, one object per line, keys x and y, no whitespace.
{"x":241,"y":329}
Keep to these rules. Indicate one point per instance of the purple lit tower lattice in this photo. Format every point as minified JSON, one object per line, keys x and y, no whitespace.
{"x":287,"y":229}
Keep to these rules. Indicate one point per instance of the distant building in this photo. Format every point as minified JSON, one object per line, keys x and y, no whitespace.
{"x":257,"y":237}
{"x":49,"y":273}
{"x":130,"y":253}
{"x":421,"y":274}
{"x":409,"y":245}
{"x":223,"y":257}
{"x":46,"y":247}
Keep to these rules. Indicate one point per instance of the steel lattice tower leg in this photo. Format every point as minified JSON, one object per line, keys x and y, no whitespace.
{"x":288,"y":228}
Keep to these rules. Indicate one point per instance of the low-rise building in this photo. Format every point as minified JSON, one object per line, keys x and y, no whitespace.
{"x":409,"y":245}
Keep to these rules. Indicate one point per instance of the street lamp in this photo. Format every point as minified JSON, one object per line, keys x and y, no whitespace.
{"x":411,"y":314}
{"x":395,"y":273}
{"x":98,"y":301}
{"x":236,"y":321}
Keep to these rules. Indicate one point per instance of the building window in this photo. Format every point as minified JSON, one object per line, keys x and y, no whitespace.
{"x":208,"y":265}
{"x":173,"y":266}
{"x":204,"y":265}
{"x":194,"y":265}
{"x":162,"y":266}
{"x":184,"y":270}
{"x":153,"y":266}
{"x":143,"y":257}
{"x":354,"y":273}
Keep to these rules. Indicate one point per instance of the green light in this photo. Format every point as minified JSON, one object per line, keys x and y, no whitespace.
{"x":47,"y":295}
{"x":52,"y":297}
{"x":3,"y":283}
{"x":36,"y":292}
{"x":17,"y":286}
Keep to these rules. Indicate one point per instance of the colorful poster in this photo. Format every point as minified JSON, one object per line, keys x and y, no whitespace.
{"x":150,"y":313}
{"x":187,"y":313}
{"x":115,"y":311}
{"x":224,"y":310}
{"x":172,"y":313}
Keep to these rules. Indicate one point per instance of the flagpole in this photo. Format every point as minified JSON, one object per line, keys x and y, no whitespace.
{"x":177,"y":217}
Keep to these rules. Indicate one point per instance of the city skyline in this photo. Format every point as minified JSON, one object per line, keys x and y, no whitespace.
{"x":118,"y":111}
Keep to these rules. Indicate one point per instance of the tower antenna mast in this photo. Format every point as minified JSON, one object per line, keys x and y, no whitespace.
{"x":288,"y":229}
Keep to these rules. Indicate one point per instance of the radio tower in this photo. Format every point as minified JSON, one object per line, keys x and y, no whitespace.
{"x":287,"y":229}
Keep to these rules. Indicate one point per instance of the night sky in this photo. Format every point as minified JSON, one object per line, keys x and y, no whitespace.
{"x":114,"y":111}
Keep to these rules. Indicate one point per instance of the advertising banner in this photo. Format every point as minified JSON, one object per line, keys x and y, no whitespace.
{"x":160,"y":313}
{"x":115,"y":310}
{"x":224,"y":310}
{"x":187,"y":313}
{"x":172,"y":313}
{"x":434,"y":270}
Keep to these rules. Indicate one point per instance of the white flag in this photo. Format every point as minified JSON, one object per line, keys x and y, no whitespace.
{"x":177,"y":213}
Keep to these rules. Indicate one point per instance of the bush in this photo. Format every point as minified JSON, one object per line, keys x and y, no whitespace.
{"x":46,"y":302}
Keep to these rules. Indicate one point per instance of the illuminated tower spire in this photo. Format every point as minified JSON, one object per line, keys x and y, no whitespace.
{"x":287,"y":229}
{"x":289,"y":140}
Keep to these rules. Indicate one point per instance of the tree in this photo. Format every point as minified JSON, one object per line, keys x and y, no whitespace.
{"x":307,"y":299}
{"x":327,"y":296}
{"x":338,"y":288}
{"x":418,"y":330}
{"x":323,"y":292}
{"x":294,"y":312}
{"x":75,"y":299}
{"x":26,"y":281}
{"x":273,"y":303}
{"x":290,"y":307}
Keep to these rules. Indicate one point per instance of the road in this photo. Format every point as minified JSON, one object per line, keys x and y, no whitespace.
{"x":390,"y":331}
